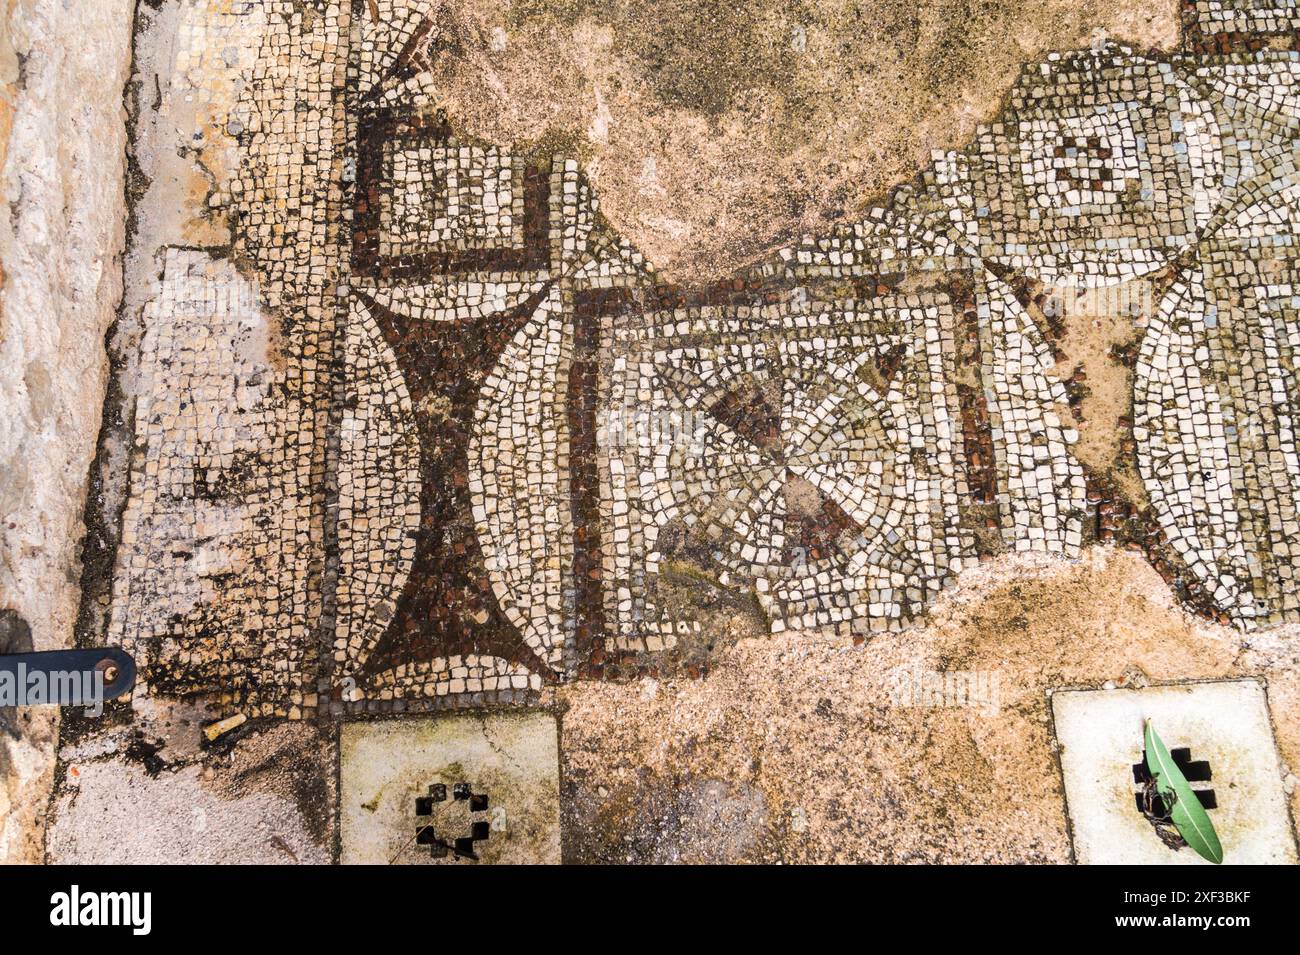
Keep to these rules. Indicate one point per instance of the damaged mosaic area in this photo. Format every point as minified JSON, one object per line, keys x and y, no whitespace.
{"x":414,"y":426}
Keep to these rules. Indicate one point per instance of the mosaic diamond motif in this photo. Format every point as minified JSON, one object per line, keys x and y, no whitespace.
{"x":1111,"y":167}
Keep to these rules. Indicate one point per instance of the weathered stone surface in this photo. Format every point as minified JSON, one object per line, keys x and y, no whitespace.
{"x":1225,"y":728}
{"x":61,"y":233}
{"x":156,"y":791}
{"x":716,"y":132}
{"x":813,"y":730}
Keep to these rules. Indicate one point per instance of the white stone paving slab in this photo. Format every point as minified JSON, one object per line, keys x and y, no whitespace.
{"x":1224,"y":723}
{"x":512,"y":759}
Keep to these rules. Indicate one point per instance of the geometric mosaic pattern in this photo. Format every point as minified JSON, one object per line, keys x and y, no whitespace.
{"x":810,"y":454}
{"x":1106,"y":167}
{"x":1215,"y":395}
{"x":1216,"y":404}
{"x":498,"y":441}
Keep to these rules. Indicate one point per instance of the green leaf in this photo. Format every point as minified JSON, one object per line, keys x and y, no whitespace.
{"x":1185,"y":810}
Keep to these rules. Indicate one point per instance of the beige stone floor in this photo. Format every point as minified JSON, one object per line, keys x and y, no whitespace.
{"x":796,"y":739}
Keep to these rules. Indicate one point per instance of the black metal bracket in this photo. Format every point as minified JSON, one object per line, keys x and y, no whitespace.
{"x":74,"y":674}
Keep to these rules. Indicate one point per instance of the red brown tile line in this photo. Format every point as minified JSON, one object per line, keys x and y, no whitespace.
{"x":1198,"y":40}
{"x":584,"y":476}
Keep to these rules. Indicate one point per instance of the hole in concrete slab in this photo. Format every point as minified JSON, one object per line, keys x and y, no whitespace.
{"x":1154,"y":804}
{"x":1157,"y":805}
{"x":1151,"y":803}
{"x":463,"y":846}
{"x":437,"y":793}
{"x":1225,"y":749}
{"x":1195,"y":771}
{"x":504,"y":767}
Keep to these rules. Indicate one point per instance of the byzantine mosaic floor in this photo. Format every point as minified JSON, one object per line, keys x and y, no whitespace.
{"x":421,"y":430}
